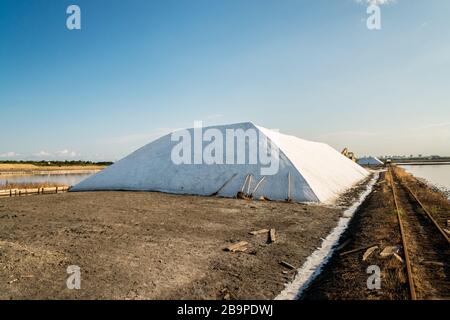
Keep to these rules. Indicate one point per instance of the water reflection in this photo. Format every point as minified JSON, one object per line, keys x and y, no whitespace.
{"x":69,"y":179}
{"x":438,"y":175}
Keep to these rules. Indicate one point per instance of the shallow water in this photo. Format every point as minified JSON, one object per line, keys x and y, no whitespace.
{"x":438,"y":175}
{"x":69,"y":179}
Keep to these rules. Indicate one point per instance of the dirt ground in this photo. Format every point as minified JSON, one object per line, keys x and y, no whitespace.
{"x":345,"y":277}
{"x":375,"y":223}
{"x":143,"y":245}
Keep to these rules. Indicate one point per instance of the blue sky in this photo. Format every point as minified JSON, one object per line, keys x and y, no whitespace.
{"x":138,"y":69}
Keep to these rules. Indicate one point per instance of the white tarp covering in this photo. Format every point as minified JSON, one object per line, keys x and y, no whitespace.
{"x":369,"y":161}
{"x":317,"y":172}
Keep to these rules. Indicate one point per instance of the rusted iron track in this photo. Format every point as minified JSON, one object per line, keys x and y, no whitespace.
{"x":427,"y":212}
{"x":413,"y":208}
{"x":411,"y":286}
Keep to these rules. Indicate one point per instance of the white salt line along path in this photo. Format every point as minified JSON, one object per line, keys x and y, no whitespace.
{"x":317,"y":260}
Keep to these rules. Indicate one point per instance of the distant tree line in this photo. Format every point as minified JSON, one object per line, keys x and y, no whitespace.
{"x":58,"y":163}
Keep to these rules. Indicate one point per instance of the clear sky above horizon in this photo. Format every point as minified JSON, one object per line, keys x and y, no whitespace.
{"x":138,"y":69}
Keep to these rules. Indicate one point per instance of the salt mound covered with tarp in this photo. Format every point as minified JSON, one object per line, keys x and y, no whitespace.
{"x":369,"y":161}
{"x":305,"y":172}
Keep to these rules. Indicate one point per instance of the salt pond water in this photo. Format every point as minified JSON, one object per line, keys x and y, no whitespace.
{"x":69,"y":179}
{"x":438,"y":175}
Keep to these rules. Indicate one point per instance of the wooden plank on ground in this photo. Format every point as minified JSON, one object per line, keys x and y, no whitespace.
{"x":287,"y":265}
{"x":272,"y":236}
{"x":357,"y":250}
{"x":398,"y":257}
{"x":434,"y":263}
{"x":344,"y":244}
{"x":369,"y":252}
{"x":254,"y":233}
{"x":240,"y":246}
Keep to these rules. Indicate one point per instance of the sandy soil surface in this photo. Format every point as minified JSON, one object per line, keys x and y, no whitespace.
{"x":142,"y":245}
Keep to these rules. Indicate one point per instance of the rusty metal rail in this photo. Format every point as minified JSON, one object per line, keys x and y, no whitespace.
{"x":427,"y":212}
{"x":411,"y":286}
{"x":420,"y":205}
